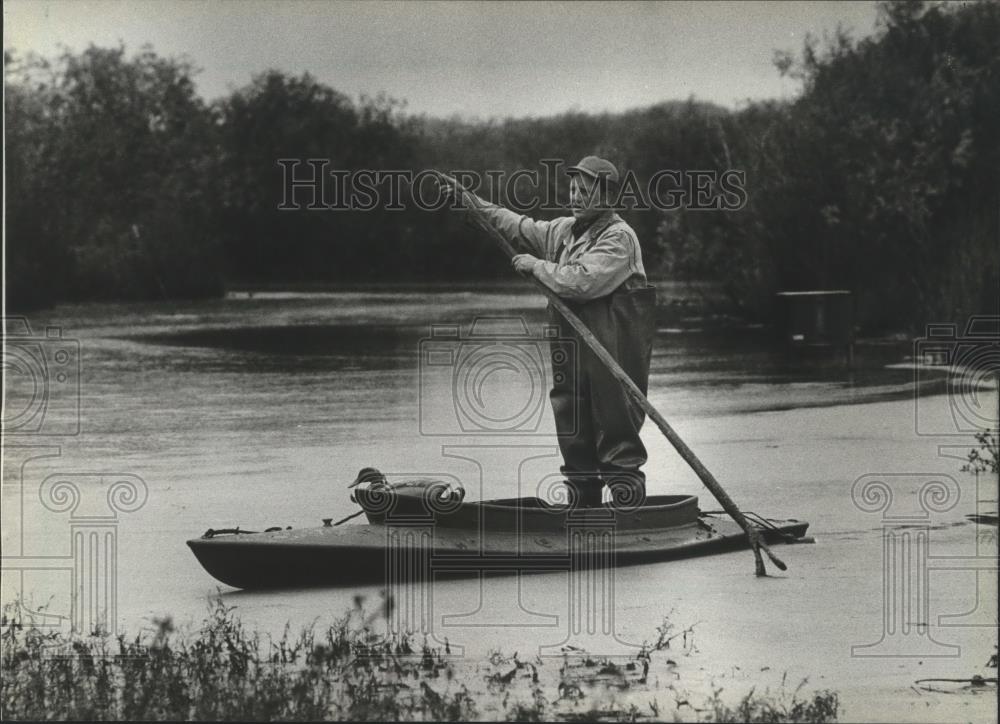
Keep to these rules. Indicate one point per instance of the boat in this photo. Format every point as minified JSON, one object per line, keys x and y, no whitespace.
{"x":425,"y":528}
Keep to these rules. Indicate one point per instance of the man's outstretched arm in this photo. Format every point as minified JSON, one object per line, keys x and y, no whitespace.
{"x":527,"y":234}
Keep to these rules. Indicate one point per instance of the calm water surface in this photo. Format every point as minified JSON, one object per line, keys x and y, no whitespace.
{"x":258,"y":410}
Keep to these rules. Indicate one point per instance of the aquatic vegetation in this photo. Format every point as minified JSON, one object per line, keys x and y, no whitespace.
{"x":985,"y":457}
{"x":350,"y":671}
{"x":226,"y":672}
{"x":753,"y":707}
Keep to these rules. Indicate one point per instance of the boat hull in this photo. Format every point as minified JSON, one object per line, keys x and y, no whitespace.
{"x":378,"y":553}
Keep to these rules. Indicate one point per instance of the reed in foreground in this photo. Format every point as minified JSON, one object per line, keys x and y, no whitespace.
{"x":224,"y":671}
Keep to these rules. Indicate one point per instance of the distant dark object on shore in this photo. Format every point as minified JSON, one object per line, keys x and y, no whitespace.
{"x":817,"y":320}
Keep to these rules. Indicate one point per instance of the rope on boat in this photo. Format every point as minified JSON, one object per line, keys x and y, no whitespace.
{"x":352,"y":515}
{"x":212,"y":532}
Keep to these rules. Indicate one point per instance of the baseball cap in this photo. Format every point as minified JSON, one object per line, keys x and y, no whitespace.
{"x":595,"y":168}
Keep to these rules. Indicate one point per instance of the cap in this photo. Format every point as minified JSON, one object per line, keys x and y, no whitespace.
{"x":595,"y":168}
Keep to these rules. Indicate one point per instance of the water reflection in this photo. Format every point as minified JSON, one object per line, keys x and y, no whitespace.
{"x":295,"y":347}
{"x":731,"y":360}
{"x":276,"y":359}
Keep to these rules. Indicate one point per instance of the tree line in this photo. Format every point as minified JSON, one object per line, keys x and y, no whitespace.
{"x":880,"y":177}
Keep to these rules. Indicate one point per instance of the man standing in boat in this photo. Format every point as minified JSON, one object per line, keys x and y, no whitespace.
{"x":592,"y":260}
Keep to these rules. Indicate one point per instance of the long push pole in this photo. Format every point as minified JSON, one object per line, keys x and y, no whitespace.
{"x":753,"y":534}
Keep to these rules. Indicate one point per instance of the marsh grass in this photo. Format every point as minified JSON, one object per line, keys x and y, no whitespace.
{"x":753,"y":707}
{"x":224,"y":671}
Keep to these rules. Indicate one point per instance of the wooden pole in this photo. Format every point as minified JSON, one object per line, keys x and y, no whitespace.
{"x":706,"y":477}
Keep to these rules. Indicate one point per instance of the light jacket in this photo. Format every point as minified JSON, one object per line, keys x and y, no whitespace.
{"x":605,"y":257}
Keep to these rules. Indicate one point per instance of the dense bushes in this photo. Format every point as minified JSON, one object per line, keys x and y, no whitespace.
{"x":110,"y":178}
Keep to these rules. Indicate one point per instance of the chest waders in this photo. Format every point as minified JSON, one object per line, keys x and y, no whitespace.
{"x":597,"y":422}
